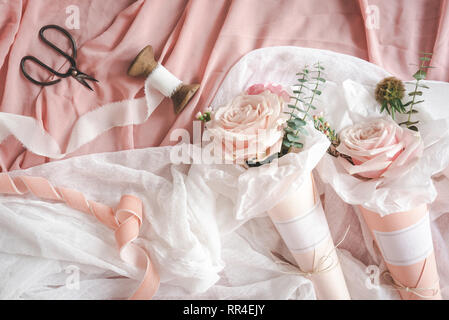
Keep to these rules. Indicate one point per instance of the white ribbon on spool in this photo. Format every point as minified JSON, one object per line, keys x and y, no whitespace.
{"x":163,"y":80}
{"x":32,"y":135}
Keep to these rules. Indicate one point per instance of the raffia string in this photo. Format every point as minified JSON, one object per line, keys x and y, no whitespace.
{"x":125,"y":221}
{"x":397,"y":285}
{"x":321,"y":266}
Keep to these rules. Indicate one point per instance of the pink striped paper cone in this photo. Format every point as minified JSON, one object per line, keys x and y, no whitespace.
{"x":405,"y":241}
{"x":301,"y":222}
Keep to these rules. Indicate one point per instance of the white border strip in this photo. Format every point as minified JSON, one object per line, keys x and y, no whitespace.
{"x":407,"y":246}
{"x":306,"y":232}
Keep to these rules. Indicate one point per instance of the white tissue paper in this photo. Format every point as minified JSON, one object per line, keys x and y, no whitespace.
{"x":274,"y":180}
{"x":391,"y":194}
{"x":205,"y":238}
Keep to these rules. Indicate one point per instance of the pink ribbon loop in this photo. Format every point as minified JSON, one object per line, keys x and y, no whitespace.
{"x":126,"y":221}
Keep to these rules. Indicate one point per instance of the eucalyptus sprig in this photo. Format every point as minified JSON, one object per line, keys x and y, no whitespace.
{"x":419,"y":75}
{"x":305,"y":94}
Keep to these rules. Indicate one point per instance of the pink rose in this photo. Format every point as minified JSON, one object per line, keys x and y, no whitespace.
{"x":379,"y":148}
{"x":249,"y":127}
{"x":277,"y":90}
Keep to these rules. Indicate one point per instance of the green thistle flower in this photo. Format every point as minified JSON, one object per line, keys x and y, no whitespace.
{"x":389,"y":93}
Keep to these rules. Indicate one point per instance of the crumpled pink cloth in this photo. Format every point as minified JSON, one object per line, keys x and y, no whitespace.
{"x":198,"y":41}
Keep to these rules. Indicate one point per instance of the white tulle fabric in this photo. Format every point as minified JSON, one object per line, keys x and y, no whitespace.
{"x":209,"y":236}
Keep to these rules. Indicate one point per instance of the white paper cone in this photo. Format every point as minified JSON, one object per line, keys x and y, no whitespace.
{"x":301,"y":222}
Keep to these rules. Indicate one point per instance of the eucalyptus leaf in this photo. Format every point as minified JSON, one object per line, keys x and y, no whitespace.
{"x":293,"y":138}
{"x":420,"y":75}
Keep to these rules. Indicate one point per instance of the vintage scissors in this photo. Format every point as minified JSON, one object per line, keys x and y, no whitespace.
{"x":73,"y":71}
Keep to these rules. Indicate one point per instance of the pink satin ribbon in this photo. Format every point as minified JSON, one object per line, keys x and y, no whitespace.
{"x":126,"y":221}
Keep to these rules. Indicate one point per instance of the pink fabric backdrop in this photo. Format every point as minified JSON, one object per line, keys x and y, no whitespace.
{"x":198,"y":41}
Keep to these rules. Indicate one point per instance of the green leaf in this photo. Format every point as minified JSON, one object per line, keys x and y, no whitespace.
{"x":420,"y":75}
{"x":394,"y":105}
{"x":423,"y":86}
{"x":297,"y":145}
{"x":408,"y":123}
{"x":303,"y":131}
{"x":292,"y":124}
{"x":384,"y":106}
{"x":408,"y":103}
{"x":287,"y":143}
{"x":320,"y":79}
{"x":399,"y":105}
{"x":412,"y":112}
{"x":302,"y":80}
{"x":414,"y":128}
{"x":293,"y":138}
{"x":318,"y":92}
{"x":424,"y":59}
{"x":300,"y":122}
{"x":297,"y":99}
{"x":415,"y":93}
{"x":296,"y":123}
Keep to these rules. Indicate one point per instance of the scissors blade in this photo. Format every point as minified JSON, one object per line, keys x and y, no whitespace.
{"x":86,"y":76}
{"x":83,"y":82}
{"x":81,"y":77}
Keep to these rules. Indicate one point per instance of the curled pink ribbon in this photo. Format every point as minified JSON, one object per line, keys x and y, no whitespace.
{"x":125,"y":221}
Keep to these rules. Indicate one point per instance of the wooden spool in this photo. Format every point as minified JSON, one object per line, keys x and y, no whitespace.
{"x":144,"y":64}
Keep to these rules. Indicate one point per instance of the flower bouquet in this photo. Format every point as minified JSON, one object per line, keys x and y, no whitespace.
{"x":385,"y":169}
{"x":276,"y":144}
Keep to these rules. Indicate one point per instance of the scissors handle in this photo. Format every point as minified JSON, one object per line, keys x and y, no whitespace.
{"x":36,"y":60}
{"x":71,"y":58}
{"x":61,"y":52}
